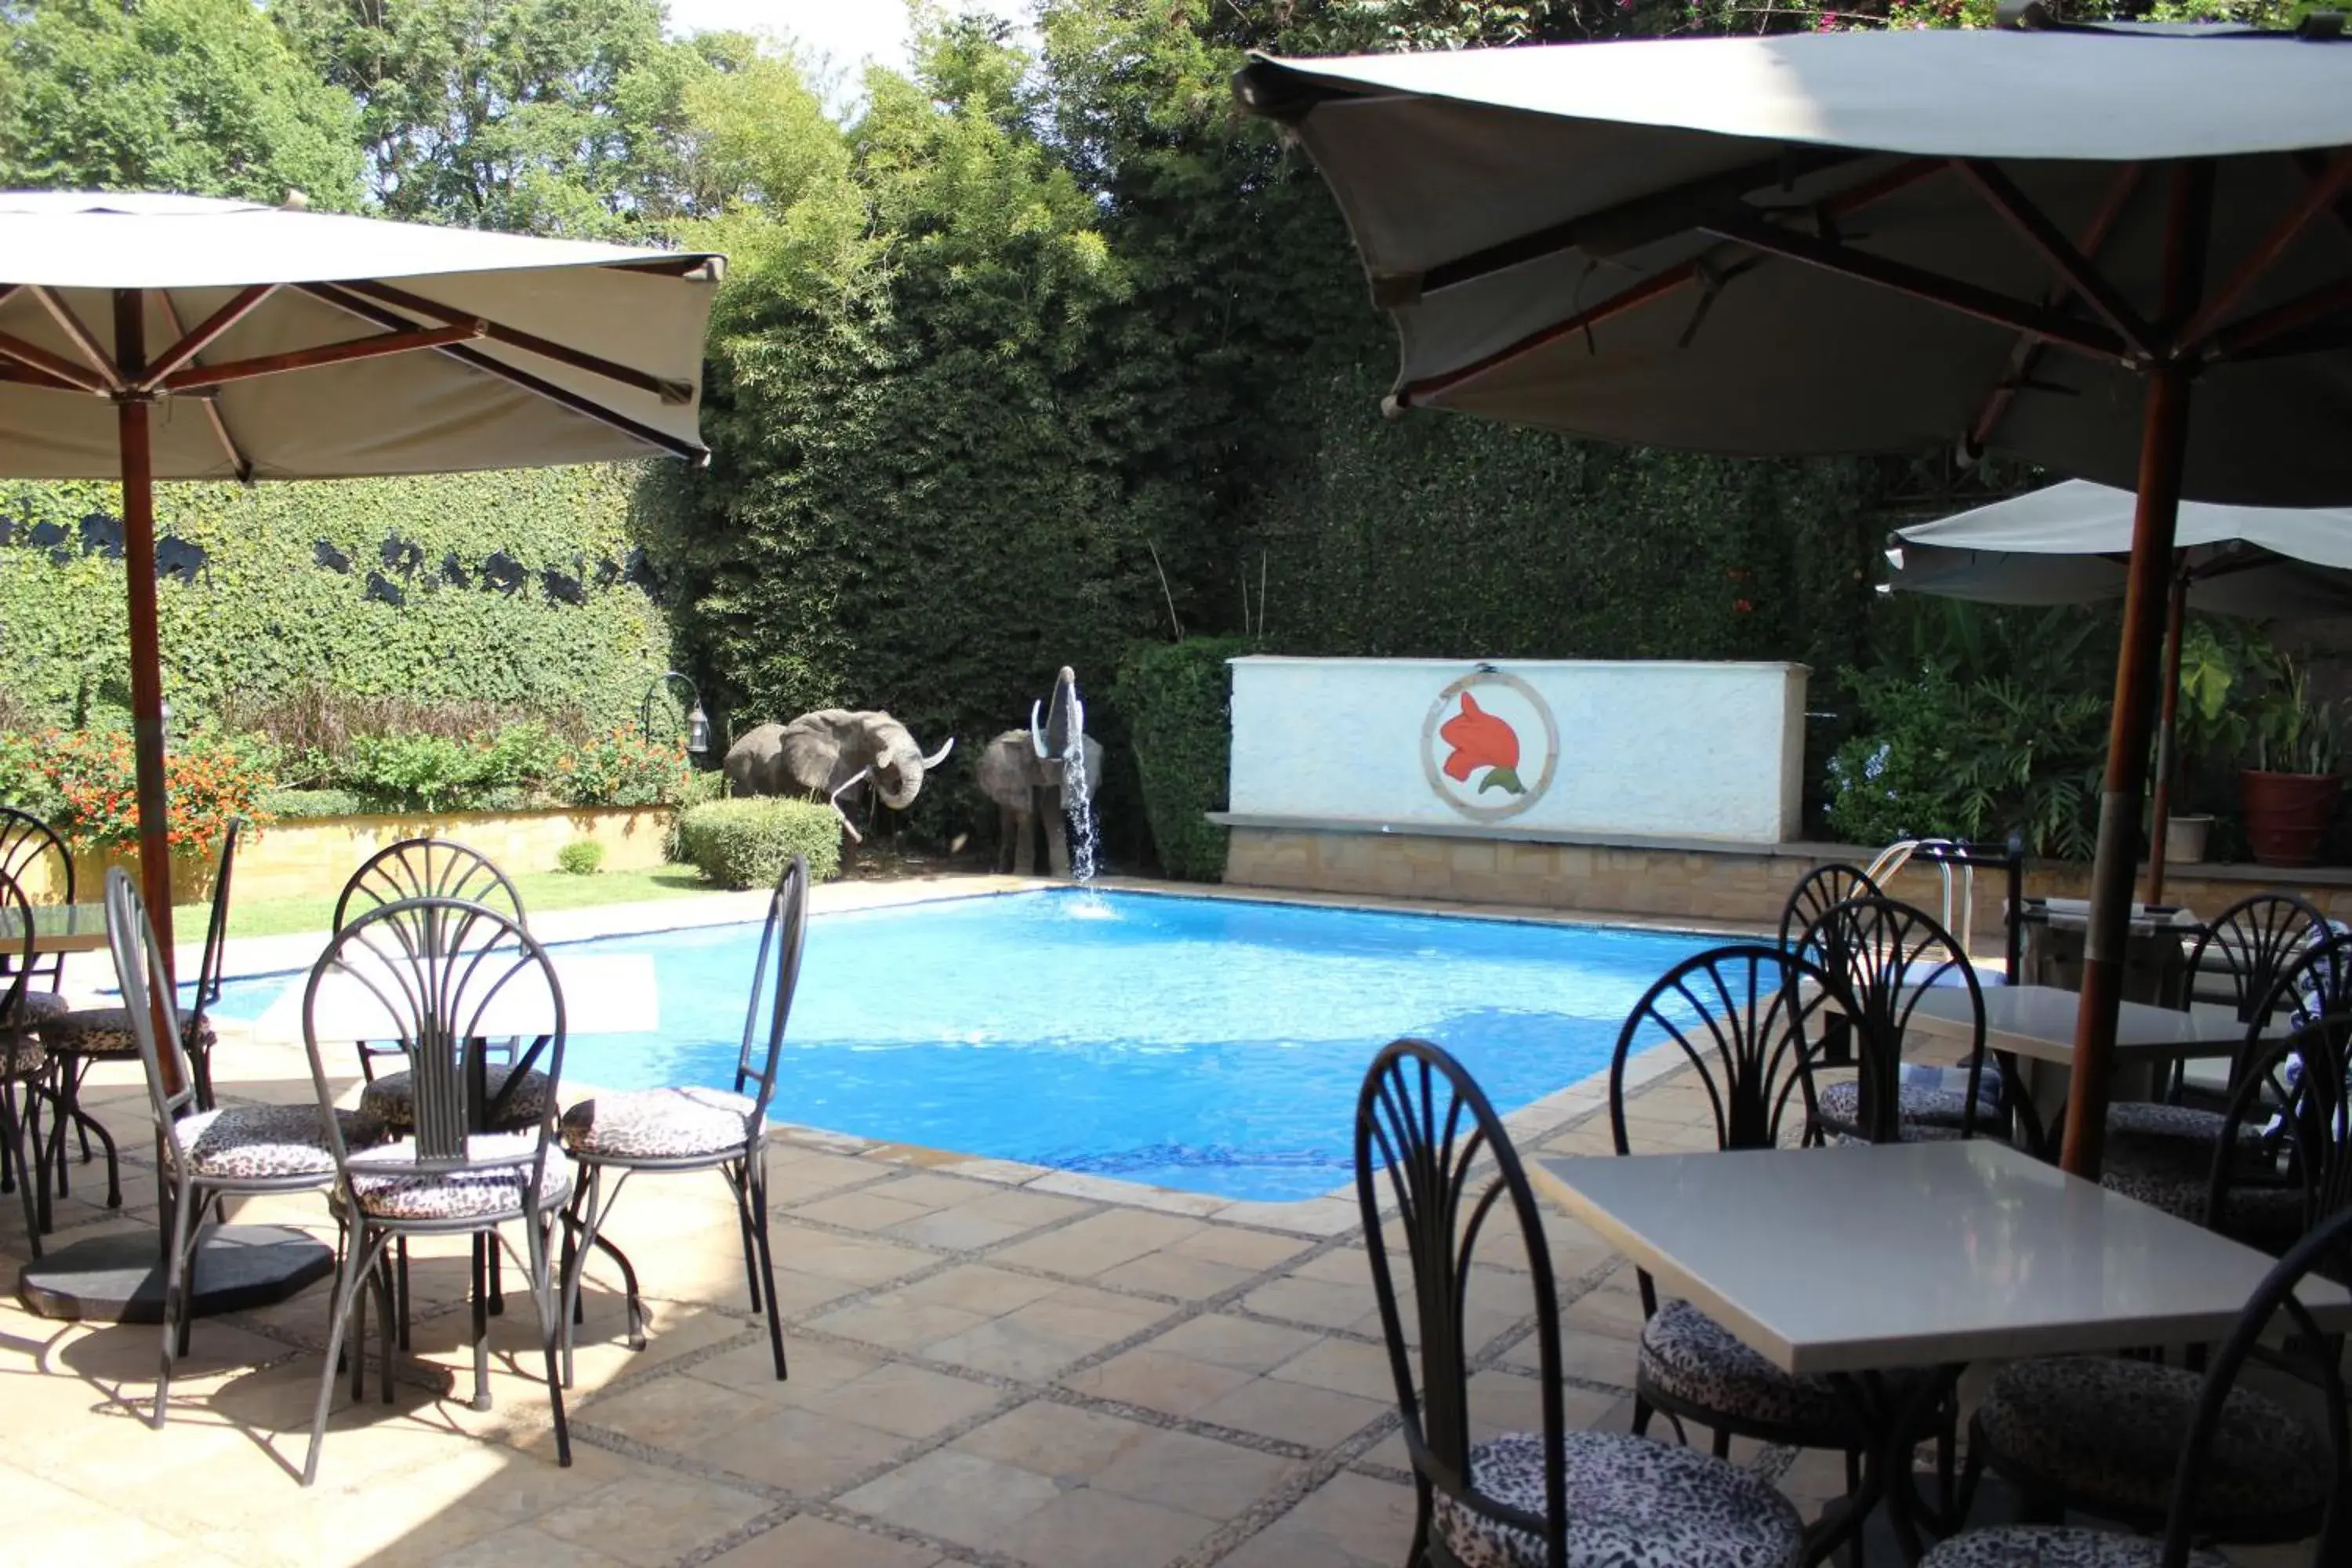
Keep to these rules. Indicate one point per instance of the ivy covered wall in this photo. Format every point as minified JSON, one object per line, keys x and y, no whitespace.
{"x":519,"y":588}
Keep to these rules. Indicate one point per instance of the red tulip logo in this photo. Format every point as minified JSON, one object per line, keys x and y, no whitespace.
{"x":1481,"y":739}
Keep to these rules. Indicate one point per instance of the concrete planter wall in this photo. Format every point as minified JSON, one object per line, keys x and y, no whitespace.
{"x":312,"y":856}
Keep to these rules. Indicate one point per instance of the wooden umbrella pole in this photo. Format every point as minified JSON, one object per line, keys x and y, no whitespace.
{"x":2167,"y":760}
{"x":146,"y":664}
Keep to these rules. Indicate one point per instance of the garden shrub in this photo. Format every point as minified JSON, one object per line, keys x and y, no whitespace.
{"x":1178,"y":702}
{"x":213,"y":780}
{"x":620,"y":767}
{"x":746,"y":843}
{"x":308,"y":804}
{"x":581,"y":858}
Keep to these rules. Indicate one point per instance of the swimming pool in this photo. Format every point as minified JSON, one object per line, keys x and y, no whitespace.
{"x":1212,"y":1045}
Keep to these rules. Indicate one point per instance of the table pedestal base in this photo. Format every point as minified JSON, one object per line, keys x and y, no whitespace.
{"x":119,"y":1278}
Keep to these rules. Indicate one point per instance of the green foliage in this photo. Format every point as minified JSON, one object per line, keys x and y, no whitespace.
{"x":265,"y":621}
{"x":2292,"y":733}
{"x":307,"y":805}
{"x":581,"y":858}
{"x":619,"y":767}
{"x":746,"y":843}
{"x":199,"y":95}
{"x":87,"y":779}
{"x":1177,"y":700}
{"x":1995,"y":720}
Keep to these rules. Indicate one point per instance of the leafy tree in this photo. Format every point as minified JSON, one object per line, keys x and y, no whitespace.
{"x":541,"y":116}
{"x":199,"y":95}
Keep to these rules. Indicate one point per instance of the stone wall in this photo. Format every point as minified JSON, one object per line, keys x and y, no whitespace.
{"x":314,"y":857}
{"x":1708,"y":884}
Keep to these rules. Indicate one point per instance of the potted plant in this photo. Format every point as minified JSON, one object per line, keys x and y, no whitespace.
{"x":2291,"y":792}
{"x":2205,"y":724}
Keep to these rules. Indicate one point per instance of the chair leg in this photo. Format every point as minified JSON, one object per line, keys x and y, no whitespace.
{"x":349,"y":1281}
{"x":12,"y":1143}
{"x":484,"y":1243}
{"x":498,"y":1296}
{"x":548,"y":1302}
{"x":756,"y":1199}
{"x":176,"y":1292}
{"x":1642,"y":1413}
{"x":739,"y":1180}
{"x":399,"y":1290}
{"x":1722,"y":1444}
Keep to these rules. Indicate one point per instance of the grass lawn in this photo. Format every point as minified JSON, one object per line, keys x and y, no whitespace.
{"x":539,"y":889}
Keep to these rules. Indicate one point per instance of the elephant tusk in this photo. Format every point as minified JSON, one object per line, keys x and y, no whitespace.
{"x":1037,"y":731}
{"x":936,"y":758}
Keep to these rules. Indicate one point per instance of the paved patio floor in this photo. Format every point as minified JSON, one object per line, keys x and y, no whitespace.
{"x":990,"y":1365}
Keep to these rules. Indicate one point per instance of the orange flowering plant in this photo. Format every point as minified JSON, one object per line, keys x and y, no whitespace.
{"x":621,"y":767}
{"x":209,"y":780}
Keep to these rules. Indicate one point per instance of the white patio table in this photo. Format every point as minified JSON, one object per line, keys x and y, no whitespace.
{"x":1855,"y":1262}
{"x":2037,"y":1023}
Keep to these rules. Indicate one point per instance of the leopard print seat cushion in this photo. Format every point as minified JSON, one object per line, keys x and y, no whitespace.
{"x":265,"y":1142}
{"x":2049,"y":1546}
{"x":392,"y":1099}
{"x":2108,"y":1434}
{"x":658,"y":1124}
{"x":1690,"y":1359}
{"x":21,"y":1057}
{"x":104,"y":1033}
{"x":40,"y":1007}
{"x":2142,"y":1126}
{"x":1841,"y":1103}
{"x":2270,"y":1217}
{"x":1631,"y":1503}
{"x":387,"y":1190}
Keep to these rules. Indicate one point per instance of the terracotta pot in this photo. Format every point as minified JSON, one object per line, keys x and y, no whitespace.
{"x":2288,"y":813}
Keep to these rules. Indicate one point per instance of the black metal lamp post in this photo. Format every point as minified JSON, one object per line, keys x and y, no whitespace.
{"x":697,"y":723}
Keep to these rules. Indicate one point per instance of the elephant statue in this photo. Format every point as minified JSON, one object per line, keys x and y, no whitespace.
{"x":827,"y":754}
{"x":1025,"y":773}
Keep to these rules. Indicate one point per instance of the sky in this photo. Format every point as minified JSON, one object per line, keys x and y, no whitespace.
{"x":848,"y":31}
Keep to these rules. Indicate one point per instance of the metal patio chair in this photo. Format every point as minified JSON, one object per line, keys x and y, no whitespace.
{"x":2098,"y":1434}
{"x":444,"y":975}
{"x":26,"y":841}
{"x":1428,"y":1141}
{"x":24,"y":1067}
{"x":202,"y":1155}
{"x":79,"y":1040}
{"x":1817,"y":892}
{"x":2206,"y":1434}
{"x":1886,"y":955}
{"x":666,"y":1130}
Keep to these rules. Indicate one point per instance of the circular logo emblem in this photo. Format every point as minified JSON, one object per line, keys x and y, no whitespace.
{"x":1489,"y":746}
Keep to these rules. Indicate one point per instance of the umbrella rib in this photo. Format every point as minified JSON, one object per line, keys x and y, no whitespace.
{"x":240,"y":305}
{"x":56,"y":366}
{"x":2029,"y":350}
{"x":342,"y":353}
{"x":672,"y":391}
{"x":1985,"y":304}
{"x":367,"y":310}
{"x":2319,"y":193}
{"x":2262,"y":327}
{"x":2072,"y":266}
{"x":83,"y":341}
{"x":211,"y":405}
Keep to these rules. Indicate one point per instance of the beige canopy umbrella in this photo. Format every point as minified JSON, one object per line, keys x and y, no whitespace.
{"x":182,"y":338}
{"x":2051,"y":242}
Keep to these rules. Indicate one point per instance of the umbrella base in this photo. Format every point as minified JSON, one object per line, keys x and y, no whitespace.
{"x":119,"y":1278}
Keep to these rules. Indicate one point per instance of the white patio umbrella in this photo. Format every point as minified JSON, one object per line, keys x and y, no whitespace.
{"x":2050,"y":242}
{"x":166,"y":337}
{"x":173,"y":337}
{"x":2071,"y":544}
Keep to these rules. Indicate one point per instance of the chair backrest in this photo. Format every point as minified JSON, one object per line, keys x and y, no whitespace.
{"x":1819,"y":890}
{"x":2314,"y":983}
{"x":208,"y":973}
{"x":15,"y":953}
{"x":2238,"y":958}
{"x":2298,"y":1087}
{"x":1424,"y":1125}
{"x":1747,"y":1018}
{"x":776,"y":975}
{"x":2302,"y":1351}
{"x":145,"y":985}
{"x":436,"y":975}
{"x":1885,"y":956}
{"x":25,"y":839}
{"x":428,"y":869}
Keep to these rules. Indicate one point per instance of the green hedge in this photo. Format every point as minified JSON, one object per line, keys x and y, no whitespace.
{"x":302,"y":804}
{"x":1178,"y":702}
{"x":746,"y":842}
{"x":268,"y":610}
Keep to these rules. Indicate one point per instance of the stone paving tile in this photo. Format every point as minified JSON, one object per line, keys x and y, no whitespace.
{"x":991,"y":1367}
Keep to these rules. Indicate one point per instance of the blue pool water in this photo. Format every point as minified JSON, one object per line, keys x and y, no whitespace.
{"x":1211,"y":1045}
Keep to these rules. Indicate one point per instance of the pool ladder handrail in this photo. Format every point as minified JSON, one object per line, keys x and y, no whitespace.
{"x":1960,"y":894}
